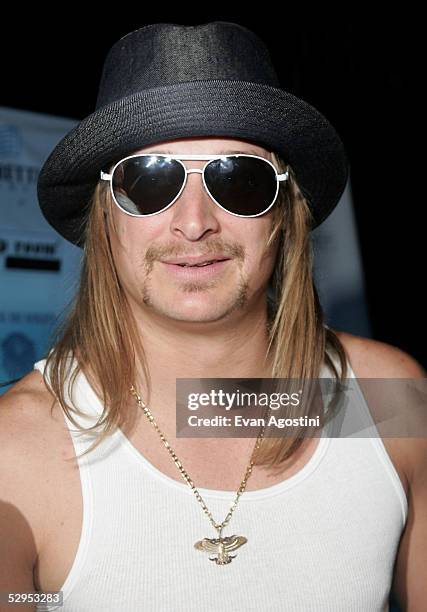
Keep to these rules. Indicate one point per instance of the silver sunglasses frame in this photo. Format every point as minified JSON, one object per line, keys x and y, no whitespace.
{"x":182,"y":156}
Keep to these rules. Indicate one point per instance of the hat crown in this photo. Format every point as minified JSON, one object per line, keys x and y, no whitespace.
{"x":164,"y":54}
{"x":167,"y":81}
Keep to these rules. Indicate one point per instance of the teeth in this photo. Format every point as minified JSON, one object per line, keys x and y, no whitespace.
{"x":207,"y":263}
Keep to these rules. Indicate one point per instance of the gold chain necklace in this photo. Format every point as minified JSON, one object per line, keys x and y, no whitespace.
{"x":220,"y":546}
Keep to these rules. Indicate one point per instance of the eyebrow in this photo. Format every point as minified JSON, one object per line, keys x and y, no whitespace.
{"x":235,"y":151}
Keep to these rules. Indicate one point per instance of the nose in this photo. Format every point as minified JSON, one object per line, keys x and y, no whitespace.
{"x":195,"y":214}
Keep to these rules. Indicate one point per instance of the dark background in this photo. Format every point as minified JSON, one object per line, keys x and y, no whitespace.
{"x":359,"y":70}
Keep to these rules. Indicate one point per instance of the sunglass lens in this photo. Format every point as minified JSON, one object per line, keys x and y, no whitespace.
{"x":147,"y":184}
{"x":242,"y":185}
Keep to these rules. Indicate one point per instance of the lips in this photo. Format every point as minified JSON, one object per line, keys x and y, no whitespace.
{"x":191,"y":262}
{"x":206,"y":263}
{"x":196,"y":271}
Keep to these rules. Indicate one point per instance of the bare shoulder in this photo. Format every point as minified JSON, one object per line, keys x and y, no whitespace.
{"x":371,"y":358}
{"x":375,"y":359}
{"x":30,"y":420}
{"x":32,"y":426}
{"x":31,"y":435}
{"x":28,"y":411}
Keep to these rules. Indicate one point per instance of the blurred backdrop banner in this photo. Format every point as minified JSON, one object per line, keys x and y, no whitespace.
{"x":39,"y":269}
{"x":338,"y":269}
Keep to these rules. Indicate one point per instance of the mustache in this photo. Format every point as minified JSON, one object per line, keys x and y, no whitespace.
{"x":155,"y":253}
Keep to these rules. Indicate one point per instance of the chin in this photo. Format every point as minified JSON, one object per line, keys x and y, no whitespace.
{"x":193,"y":311}
{"x":196,"y":315}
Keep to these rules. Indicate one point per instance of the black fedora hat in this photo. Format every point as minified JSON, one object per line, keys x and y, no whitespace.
{"x":167,"y":81}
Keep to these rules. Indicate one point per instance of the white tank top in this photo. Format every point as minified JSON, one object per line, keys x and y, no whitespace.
{"x":324,"y":539}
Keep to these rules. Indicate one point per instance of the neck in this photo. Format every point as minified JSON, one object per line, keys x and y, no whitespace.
{"x":174,"y":349}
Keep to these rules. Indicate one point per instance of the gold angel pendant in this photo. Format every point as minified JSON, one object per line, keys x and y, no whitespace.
{"x":221,"y":547}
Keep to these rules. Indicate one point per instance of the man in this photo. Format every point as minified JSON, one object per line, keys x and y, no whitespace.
{"x":321,"y":532}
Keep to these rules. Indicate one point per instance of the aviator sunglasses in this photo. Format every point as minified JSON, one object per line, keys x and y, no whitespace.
{"x":146,"y":184}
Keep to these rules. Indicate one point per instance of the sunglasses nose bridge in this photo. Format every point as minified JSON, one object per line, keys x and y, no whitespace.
{"x":190,"y":170}
{"x":198,"y":171}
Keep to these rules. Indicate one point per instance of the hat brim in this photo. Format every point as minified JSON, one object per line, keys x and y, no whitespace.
{"x":269,"y":116}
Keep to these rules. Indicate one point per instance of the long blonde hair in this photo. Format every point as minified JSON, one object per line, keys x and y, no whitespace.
{"x":99,"y":330}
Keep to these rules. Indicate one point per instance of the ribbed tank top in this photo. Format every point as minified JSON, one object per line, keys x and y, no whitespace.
{"x":325,"y":539}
